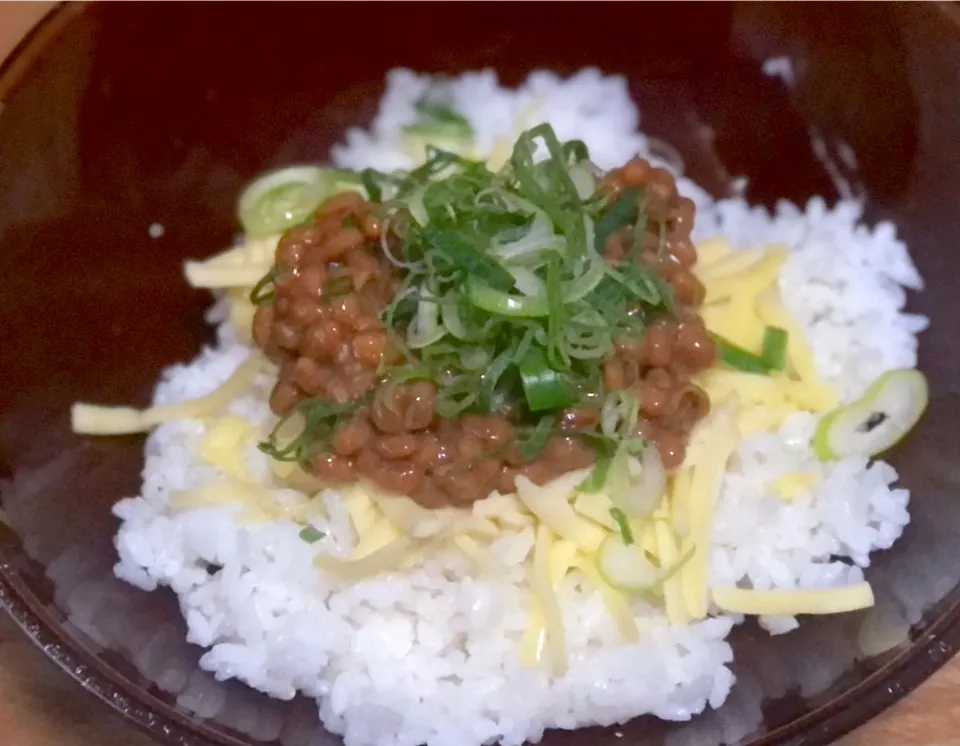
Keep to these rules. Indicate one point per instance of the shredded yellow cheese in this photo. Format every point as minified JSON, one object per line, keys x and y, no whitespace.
{"x":374,"y":538}
{"x":720,"y":438}
{"x":596,"y":507}
{"x":505,"y":510}
{"x":710,"y":250}
{"x":211,"y":276}
{"x":679,"y":497}
{"x":258,"y":504}
{"x":482,"y":559}
{"x":362,"y":510}
{"x":551,"y":507}
{"x":794,"y":602}
{"x":238,"y":267}
{"x":397,"y":554}
{"x":758,"y":277}
{"x":92,"y":419}
{"x":672,"y":591}
{"x":551,"y":641}
{"x":730,"y":263}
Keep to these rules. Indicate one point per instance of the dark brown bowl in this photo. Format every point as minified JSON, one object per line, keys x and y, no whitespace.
{"x":117,"y":116}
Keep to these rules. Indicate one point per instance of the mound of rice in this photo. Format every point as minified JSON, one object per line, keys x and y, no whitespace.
{"x":430,"y":656}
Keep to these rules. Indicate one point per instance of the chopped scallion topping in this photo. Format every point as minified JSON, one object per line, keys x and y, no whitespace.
{"x":311,"y":535}
{"x":773,"y":351}
{"x":503,"y":297}
{"x":738,"y":358}
{"x":623,"y":525}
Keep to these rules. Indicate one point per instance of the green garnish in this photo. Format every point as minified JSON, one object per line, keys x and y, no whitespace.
{"x":505,"y":260}
{"x":311,"y":535}
{"x":281,"y":199}
{"x":544,"y":387}
{"x":370,"y":183}
{"x":623,"y":525}
{"x":625,"y":211}
{"x":266,"y":288}
{"x":773,"y":355}
{"x":738,"y":358}
{"x":575,"y":151}
{"x":773,"y":351}
{"x":321,"y":419}
{"x":597,"y":478}
{"x":437,"y":119}
{"x":504,"y":300}
{"x":535,"y":440}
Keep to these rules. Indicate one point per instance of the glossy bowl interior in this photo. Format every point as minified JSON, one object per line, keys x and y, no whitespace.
{"x":118,"y":116}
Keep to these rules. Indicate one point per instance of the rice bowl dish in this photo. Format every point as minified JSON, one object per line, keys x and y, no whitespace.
{"x":556,"y":598}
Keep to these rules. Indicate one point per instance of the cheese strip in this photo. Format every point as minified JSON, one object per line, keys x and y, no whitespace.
{"x":793,"y":602}
{"x":711,"y":250}
{"x":732,"y":263}
{"x":751,"y":283}
{"x":550,"y":504}
{"x":398,"y":554}
{"x":545,"y":633}
{"x":672,"y":591}
{"x":719,"y":438}
{"x":204,"y":275}
{"x":374,"y":538}
{"x":239,"y":266}
{"x":92,"y":419}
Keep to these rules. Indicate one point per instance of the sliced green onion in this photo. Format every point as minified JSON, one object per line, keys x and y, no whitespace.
{"x":528,"y":282}
{"x":625,"y":566}
{"x":493,"y":374}
{"x":583,"y":180}
{"x":773,"y":351}
{"x":575,"y":151}
{"x":539,"y":238}
{"x":646,"y":493}
{"x":266,"y":288}
{"x":543,"y":386}
{"x":533,"y":445}
{"x":415,"y":204}
{"x":888,"y":411}
{"x":450,"y":315}
{"x":621,"y":213}
{"x":426,"y":327}
{"x":505,"y":304}
{"x":474,"y":358}
{"x":281,"y":199}
{"x":738,"y":358}
{"x":369,"y":179}
{"x":465,"y":258}
{"x":321,"y":418}
{"x":556,"y":318}
{"x":623,"y":525}
{"x":311,"y":535}
{"x":597,"y":478}
{"x":437,"y":119}
{"x":619,"y":413}
{"x":585,"y":283}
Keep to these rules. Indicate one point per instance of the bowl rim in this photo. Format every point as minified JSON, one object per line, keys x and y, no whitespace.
{"x":934,"y":646}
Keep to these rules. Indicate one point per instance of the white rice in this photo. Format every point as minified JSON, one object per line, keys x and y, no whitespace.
{"x":431,"y":656}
